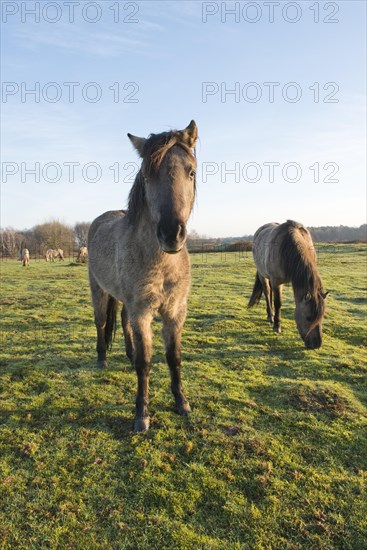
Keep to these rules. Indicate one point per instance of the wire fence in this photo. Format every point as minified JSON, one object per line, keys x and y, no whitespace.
{"x":238,"y":251}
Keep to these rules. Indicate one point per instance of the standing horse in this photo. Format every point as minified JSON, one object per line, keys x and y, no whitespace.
{"x":285,"y":253}
{"x":25,"y":257}
{"x":140,"y":258}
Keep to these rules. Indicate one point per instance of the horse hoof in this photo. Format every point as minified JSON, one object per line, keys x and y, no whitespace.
{"x":102,"y":364}
{"x":184,"y":408}
{"x":141,"y":424}
{"x":277,"y":329}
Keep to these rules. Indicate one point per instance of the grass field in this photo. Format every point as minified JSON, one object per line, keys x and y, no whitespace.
{"x":274,"y":455}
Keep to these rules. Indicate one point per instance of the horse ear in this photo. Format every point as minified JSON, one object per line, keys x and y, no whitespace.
{"x":190,"y":134}
{"x":138,"y":143}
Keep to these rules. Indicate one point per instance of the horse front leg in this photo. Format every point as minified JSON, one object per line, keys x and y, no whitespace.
{"x":142,"y":356}
{"x":172,"y":329}
{"x":277,"y":306}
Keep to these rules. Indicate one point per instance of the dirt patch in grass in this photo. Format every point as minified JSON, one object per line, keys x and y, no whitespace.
{"x":318,"y":400}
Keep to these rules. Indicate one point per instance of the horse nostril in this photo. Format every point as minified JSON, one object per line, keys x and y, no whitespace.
{"x":180,"y":232}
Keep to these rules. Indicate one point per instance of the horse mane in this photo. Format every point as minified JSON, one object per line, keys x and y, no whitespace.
{"x":136,"y":198}
{"x":155,"y":149}
{"x":299,"y":265}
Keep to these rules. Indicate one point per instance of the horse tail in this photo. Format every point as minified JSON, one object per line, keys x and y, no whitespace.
{"x":110,"y":329}
{"x":257,"y":292}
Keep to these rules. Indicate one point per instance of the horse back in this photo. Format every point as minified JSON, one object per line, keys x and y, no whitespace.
{"x":270,"y":248}
{"x":107,"y":217}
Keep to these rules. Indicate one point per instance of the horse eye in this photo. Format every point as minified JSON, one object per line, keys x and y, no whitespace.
{"x":192,"y":173}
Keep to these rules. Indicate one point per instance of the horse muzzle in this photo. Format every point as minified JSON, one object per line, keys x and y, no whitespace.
{"x":313,"y":340}
{"x":171,"y":237}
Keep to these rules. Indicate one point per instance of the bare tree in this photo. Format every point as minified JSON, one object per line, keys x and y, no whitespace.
{"x":11,"y":242}
{"x":81,"y":233}
{"x":53,"y":234}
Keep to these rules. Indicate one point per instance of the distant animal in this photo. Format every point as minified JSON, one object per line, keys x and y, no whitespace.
{"x":83,"y":254}
{"x":25,"y":257}
{"x":49,"y":255}
{"x":60,"y":254}
{"x":285,"y":253}
{"x":139,"y":257}
{"x":52,"y":254}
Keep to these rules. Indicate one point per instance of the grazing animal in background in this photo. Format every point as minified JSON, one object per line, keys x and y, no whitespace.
{"x":52,"y":254}
{"x":25,"y":257}
{"x":284,"y":253}
{"x":59,"y":254}
{"x":49,"y":255}
{"x":139,"y":257}
{"x":83,"y":254}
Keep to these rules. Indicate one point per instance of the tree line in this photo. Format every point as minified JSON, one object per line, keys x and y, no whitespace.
{"x":323,"y":234}
{"x":339,"y":234}
{"x":55,"y":234}
{"x":41,"y":237}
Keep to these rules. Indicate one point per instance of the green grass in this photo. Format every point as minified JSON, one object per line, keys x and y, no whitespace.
{"x":274,"y":455}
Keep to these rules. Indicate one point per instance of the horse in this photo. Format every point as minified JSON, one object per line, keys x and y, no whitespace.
{"x":82,"y":254}
{"x":139,"y":258}
{"x":59,"y":253}
{"x":285,"y":253}
{"x":52,"y":254}
{"x":25,"y":257}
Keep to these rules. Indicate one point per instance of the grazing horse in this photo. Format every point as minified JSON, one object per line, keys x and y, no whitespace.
{"x":49,"y":255}
{"x":25,"y":257}
{"x":52,"y":254}
{"x":139,"y":257}
{"x":285,"y":253}
{"x":82,"y":254}
{"x":59,"y":254}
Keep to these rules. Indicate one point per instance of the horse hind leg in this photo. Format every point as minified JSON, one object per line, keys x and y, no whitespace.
{"x":128,"y":335}
{"x":268,"y":293}
{"x":172,"y":329}
{"x":100,"y":303}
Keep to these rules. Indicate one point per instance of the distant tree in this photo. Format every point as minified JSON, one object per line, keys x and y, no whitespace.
{"x":81,"y":233}
{"x":11,"y":242}
{"x":339,"y":233}
{"x":194,"y":238}
{"x":53,"y":234}
{"x":193,"y":235}
{"x":239,"y":246}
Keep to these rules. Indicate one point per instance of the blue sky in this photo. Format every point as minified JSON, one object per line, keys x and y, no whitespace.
{"x":162,"y":54}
